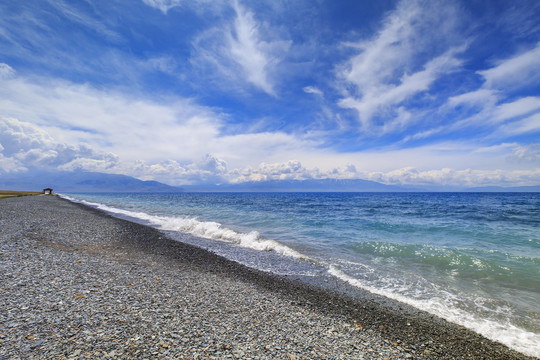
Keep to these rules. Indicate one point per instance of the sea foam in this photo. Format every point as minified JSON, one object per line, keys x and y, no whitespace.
{"x":204,"y":229}
{"x":514,"y":337}
{"x":389,"y":251}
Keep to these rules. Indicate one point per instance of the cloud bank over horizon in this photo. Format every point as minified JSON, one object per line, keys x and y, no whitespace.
{"x":203,"y":92}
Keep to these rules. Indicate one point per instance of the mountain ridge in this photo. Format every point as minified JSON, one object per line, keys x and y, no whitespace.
{"x":66,"y":181}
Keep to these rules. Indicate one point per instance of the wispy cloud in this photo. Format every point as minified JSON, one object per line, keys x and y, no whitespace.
{"x":76,"y":15}
{"x":163,"y":5}
{"x":6,"y":71}
{"x":244,"y":52}
{"x":518,"y":71}
{"x":216,"y":90}
{"x":313,"y":90}
{"x":497,"y":106}
{"x":249,"y":51}
{"x":393,"y":67}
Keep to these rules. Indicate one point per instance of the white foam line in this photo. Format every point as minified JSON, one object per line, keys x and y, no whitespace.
{"x":508,"y":334}
{"x":512,"y":336}
{"x":205,"y":229}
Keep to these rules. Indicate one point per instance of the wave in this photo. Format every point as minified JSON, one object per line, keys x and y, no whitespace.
{"x":204,"y":229}
{"x":441,"y":305}
{"x":492,"y":266}
{"x":476,"y":314}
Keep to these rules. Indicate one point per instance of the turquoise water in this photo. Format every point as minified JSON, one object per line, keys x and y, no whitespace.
{"x":472,"y":258}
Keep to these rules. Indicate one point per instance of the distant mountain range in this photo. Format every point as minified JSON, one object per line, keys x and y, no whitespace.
{"x":82,"y":182}
{"x":66,"y":182}
{"x":505,"y":189}
{"x":319,"y":185}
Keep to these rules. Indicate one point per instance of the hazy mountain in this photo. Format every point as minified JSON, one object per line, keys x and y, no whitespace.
{"x":505,"y":189}
{"x":65,"y":181}
{"x":320,"y":185}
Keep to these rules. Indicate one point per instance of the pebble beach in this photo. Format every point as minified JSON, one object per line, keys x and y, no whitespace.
{"x":77,"y":283}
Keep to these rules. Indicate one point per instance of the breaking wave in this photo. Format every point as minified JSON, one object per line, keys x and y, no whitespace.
{"x":204,"y":229}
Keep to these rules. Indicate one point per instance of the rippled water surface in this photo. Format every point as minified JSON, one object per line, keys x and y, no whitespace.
{"x":472,"y":258}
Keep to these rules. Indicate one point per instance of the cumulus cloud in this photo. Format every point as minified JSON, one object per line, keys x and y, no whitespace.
{"x":209,"y":170}
{"x":290,"y":170}
{"x":164,"y":136}
{"x":458,"y":178}
{"x":25,"y":145}
{"x":10,"y":165}
{"x":129,"y":126}
{"x":246,"y":51}
{"x":409,"y":176}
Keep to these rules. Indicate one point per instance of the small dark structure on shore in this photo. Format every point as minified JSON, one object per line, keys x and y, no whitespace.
{"x":47,"y":190}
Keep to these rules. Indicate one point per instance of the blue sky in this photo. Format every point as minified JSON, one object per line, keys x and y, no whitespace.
{"x":211,"y":91}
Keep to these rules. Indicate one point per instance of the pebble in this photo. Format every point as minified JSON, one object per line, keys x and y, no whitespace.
{"x":79,"y":284}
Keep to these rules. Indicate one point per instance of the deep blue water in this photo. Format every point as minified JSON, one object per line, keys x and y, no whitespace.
{"x":472,"y":258}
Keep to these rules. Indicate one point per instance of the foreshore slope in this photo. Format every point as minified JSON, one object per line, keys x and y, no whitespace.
{"x":77,"y":283}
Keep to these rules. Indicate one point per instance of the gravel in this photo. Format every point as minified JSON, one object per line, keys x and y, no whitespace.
{"x":77,"y":283}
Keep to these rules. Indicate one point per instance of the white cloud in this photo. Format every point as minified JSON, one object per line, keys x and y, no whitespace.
{"x":520,"y":107}
{"x":58,"y":117}
{"x":480,"y":97}
{"x":163,"y":5}
{"x":208,"y":170}
{"x":528,"y":153}
{"x":25,"y":145}
{"x":248,"y":51}
{"x":75,"y":15}
{"x":6,"y":71}
{"x":504,"y":119}
{"x":515,"y":72}
{"x":165,"y":64}
{"x":491,"y":104}
{"x":294,"y":170}
{"x":392,"y":67}
{"x":10,"y":165}
{"x":313,"y":90}
{"x":529,"y":125}
{"x":458,"y":178}
{"x":213,"y":165}
{"x":290,"y":170}
{"x":132,"y":127}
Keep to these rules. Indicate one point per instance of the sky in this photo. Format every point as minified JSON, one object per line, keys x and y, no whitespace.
{"x":442,"y":93}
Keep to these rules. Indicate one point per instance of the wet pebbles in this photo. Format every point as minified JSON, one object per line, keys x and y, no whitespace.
{"x":79,"y":284}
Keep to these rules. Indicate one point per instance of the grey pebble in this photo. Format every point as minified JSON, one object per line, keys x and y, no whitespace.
{"x":79,"y":284}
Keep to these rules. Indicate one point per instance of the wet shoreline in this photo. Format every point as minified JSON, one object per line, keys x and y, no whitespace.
{"x":117,"y":286}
